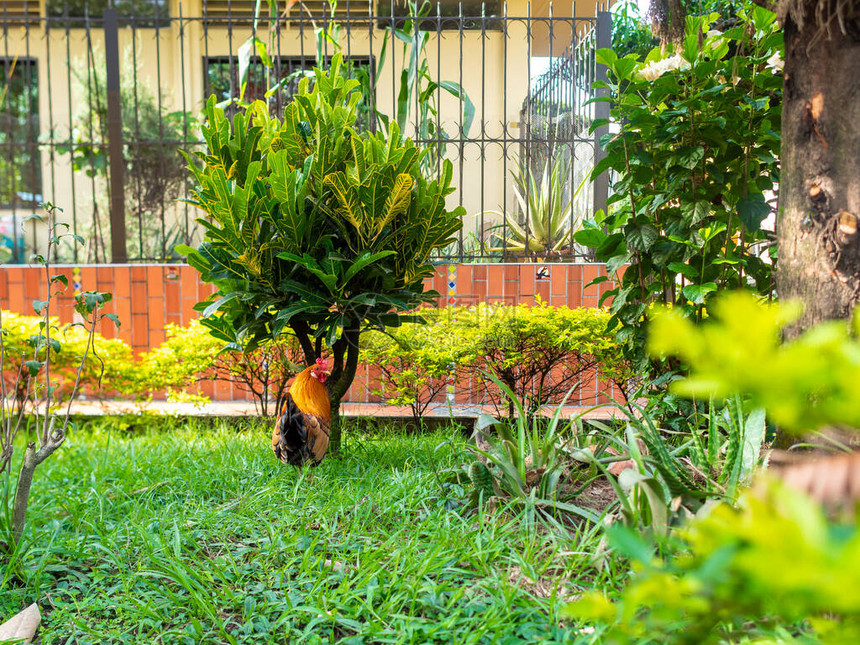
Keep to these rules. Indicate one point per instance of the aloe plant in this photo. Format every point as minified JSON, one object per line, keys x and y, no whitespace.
{"x":526,"y":459}
{"x":545,"y":221}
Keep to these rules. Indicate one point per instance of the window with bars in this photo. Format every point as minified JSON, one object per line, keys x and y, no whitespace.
{"x":19,"y":11}
{"x":296,"y":13}
{"x":359,"y":12}
{"x":20,"y":161}
{"x":141,"y":10}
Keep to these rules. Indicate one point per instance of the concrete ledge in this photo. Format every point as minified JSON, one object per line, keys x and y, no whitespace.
{"x":437,"y":411}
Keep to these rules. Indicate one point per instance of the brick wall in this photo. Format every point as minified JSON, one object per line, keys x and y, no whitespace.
{"x":147,"y":297}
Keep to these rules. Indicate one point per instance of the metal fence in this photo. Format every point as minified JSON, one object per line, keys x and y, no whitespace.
{"x":98,"y":99}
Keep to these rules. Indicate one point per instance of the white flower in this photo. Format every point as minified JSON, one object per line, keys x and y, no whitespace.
{"x":655,"y":69}
{"x":775,"y":62}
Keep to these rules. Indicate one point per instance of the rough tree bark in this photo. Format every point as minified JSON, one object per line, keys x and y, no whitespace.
{"x":345,"y":363}
{"x":819,"y":245}
{"x":667,"y":21}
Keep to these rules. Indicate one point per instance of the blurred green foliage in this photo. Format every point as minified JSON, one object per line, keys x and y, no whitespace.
{"x":804,"y":384}
{"x":758,"y":573}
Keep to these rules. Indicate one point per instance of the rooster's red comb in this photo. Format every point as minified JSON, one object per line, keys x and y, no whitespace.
{"x":322,"y":362}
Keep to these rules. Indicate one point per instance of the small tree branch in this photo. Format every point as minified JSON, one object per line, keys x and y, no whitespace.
{"x":343,"y":372}
{"x":303,"y":332}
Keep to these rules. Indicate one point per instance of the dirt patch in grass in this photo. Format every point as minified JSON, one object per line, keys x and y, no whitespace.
{"x":598,"y":495}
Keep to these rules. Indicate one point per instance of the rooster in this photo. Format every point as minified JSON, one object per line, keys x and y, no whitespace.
{"x":301,"y":433}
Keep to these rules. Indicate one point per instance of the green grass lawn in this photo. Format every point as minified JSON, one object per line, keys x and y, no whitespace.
{"x":198,"y":535}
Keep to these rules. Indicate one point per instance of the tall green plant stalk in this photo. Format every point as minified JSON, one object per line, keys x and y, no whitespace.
{"x":38,"y":409}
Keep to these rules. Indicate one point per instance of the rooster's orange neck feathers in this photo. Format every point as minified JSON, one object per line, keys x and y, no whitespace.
{"x":310,"y":395}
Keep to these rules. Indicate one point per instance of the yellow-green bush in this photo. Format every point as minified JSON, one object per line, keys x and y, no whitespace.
{"x":415,"y":360}
{"x":185,"y":357}
{"x":540,"y":352}
{"x":191,"y":354}
{"x":115,"y":355}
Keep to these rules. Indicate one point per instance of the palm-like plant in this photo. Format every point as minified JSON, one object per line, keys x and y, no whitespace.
{"x":545,"y":222}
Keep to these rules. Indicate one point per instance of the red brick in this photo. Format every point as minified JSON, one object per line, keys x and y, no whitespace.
{"x":188,"y":313}
{"x":125,"y":334}
{"x":223,"y":391}
{"x":123,"y":310}
{"x":588,"y":276}
{"x":495,"y":282}
{"x":138,"y":297}
{"x":204,"y":290}
{"x":138,"y":273}
{"x":14,"y":274}
{"x":527,"y":279}
{"x":464,"y":283}
{"x":156,"y":314}
{"x":33,"y":286}
{"x":172,"y":303}
{"x":17,"y":300}
{"x":207,"y":388}
{"x":543,"y":290}
{"x":156,"y":337}
{"x":105,"y":279}
{"x":574,"y":294}
{"x":441,"y":279}
{"x":139,"y":332}
{"x":107,"y":328}
{"x":188,"y":278}
{"x":64,"y":291}
{"x":155,"y":280}
{"x":558,"y":280}
{"x":122,"y":282}
{"x":479,"y":291}
{"x":511,"y":271}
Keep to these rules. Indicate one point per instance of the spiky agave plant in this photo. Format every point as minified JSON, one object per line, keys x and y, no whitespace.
{"x":545,"y":222}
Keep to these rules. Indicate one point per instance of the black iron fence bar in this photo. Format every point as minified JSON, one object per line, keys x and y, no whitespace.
{"x":567,"y":91}
{"x":117,"y":162}
{"x":604,"y":41}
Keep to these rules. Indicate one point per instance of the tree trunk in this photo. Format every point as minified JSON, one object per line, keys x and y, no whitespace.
{"x":668,"y":18}
{"x":22,"y":492}
{"x":819,"y":247}
{"x":344,"y":365}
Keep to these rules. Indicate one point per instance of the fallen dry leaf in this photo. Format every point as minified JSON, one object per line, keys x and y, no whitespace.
{"x":22,"y":626}
{"x":616,"y":467}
